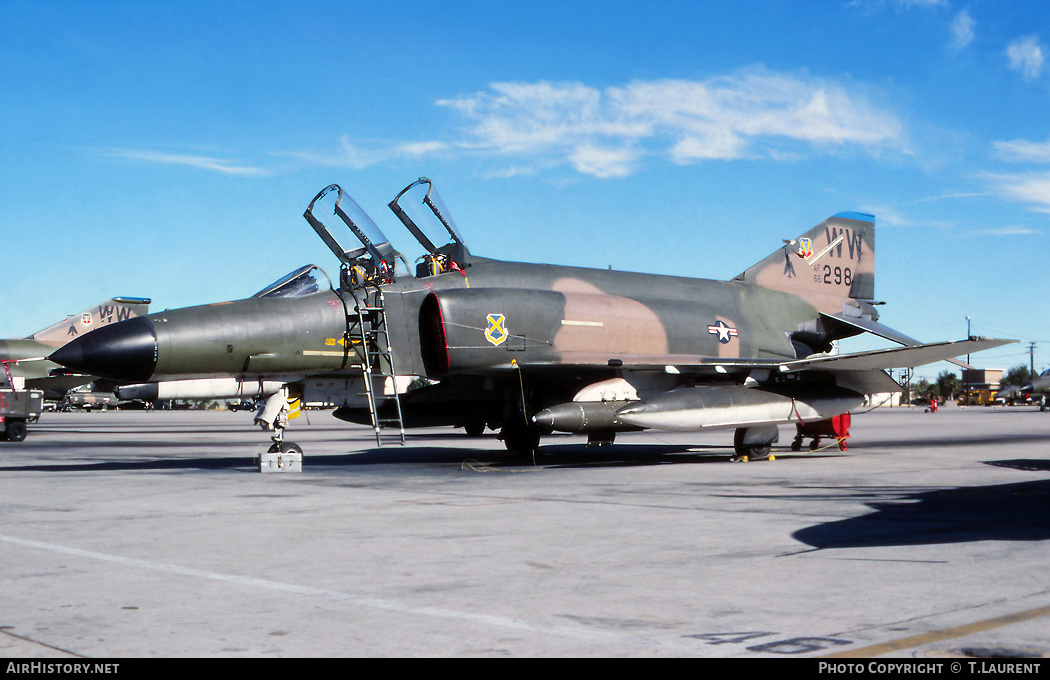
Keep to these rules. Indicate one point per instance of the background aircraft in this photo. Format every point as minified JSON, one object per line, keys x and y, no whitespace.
{"x":533,"y":348}
{"x":1039,"y":385}
{"x":89,"y":398}
{"x":26,"y":359}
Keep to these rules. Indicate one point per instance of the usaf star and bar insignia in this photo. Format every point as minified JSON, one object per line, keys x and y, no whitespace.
{"x":724,"y":332}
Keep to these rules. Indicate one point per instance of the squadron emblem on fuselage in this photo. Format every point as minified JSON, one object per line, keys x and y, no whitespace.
{"x":496,"y":333}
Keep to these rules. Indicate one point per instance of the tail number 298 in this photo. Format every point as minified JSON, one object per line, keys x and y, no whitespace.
{"x":836,"y":276}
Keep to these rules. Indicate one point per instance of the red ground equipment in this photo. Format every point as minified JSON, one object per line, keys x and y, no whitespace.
{"x":837,"y":427}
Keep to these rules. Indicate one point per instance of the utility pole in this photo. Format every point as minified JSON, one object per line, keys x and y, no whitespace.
{"x":967,"y":370}
{"x":1031,"y":357}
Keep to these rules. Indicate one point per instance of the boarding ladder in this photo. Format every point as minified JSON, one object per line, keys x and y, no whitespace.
{"x":367,"y":328}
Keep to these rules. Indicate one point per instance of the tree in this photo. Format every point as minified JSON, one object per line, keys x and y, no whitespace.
{"x":1018,"y":375}
{"x":948,"y":384}
{"x":924,"y":389}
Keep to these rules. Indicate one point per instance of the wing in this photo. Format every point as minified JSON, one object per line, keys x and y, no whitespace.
{"x":880,"y":359}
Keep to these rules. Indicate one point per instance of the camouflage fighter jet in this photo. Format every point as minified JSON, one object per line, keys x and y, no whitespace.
{"x":1039,"y":385}
{"x":26,"y":358}
{"x":532,"y":349}
{"x":88,"y":398}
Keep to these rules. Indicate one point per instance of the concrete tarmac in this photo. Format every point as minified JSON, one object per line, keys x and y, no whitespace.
{"x":133,"y":534}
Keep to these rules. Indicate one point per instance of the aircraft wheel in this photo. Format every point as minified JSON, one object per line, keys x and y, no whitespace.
{"x":290,"y":447}
{"x":16,"y":431}
{"x":750,"y":451}
{"x":475,"y":428}
{"x":520,"y":438}
{"x":759,"y":452}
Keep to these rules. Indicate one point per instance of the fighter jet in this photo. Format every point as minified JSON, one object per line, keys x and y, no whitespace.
{"x":1040,"y":385}
{"x":26,"y":358}
{"x":89,"y":398}
{"x":532,"y":349}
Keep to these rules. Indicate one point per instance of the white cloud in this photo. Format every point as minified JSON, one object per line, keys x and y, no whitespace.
{"x":889,"y":216}
{"x":534,"y":127}
{"x":358,"y":156}
{"x":1025,"y":187}
{"x":1031,"y":188}
{"x":1004,"y":231}
{"x":951,"y":196}
{"x":962,"y":31}
{"x":606,"y":133}
{"x":204,"y":162}
{"x":872,"y":6}
{"x":602,"y":163}
{"x":421,"y":148}
{"x":906,"y":4}
{"x":1023,"y":150}
{"x":1026,"y":56}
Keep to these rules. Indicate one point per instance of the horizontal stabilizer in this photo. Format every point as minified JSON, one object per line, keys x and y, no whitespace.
{"x":869,"y":326}
{"x":898,"y":357}
{"x":876,"y":328}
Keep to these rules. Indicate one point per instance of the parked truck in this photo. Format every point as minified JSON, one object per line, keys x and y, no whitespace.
{"x":979,"y":398}
{"x":18,"y":406}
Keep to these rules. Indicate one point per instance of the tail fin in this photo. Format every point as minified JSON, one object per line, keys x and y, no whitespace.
{"x":829,"y":264}
{"x":111,"y":311}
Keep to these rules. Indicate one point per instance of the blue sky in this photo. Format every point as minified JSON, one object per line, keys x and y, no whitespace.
{"x":168,"y":150}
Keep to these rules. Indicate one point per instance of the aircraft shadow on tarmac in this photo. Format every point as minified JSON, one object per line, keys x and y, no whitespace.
{"x":552,"y":456}
{"x":950,"y":440}
{"x":569,"y":455}
{"x":999,"y":512}
{"x":140,"y":464}
{"x":548,"y":456}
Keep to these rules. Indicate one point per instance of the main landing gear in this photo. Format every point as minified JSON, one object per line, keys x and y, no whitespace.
{"x":755,"y":443}
{"x":520,"y":437}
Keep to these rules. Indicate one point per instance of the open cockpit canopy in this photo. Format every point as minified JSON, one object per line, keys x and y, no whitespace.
{"x":424,"y":214}
{"x":375,"y":258}
{"x":369,"y":258}
{"x":303,"y":281}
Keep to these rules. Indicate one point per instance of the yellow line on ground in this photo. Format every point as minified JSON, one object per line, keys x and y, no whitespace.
{"x":942,"y":635}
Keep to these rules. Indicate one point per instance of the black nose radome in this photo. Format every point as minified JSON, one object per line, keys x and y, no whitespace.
{"x":123,"y":351}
